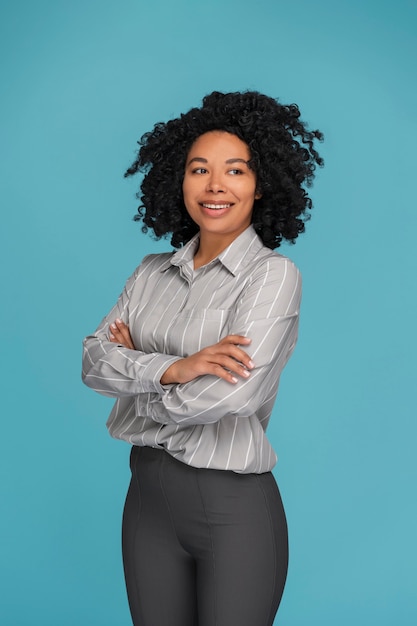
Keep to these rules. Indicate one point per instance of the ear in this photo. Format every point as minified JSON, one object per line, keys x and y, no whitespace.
{"x":258,"y":195}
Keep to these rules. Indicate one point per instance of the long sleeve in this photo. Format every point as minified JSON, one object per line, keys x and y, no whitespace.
{"x":112,"y":369}
{"x":267,"y":312}
{"x":174,"y":311}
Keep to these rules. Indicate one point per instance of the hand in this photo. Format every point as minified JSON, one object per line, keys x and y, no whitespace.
{"x":223,"y":359}
{"x":119,"y":333}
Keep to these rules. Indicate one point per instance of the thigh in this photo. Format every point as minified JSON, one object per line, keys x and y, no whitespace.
{"x":242,"y":581}
{"x":159,"y":574}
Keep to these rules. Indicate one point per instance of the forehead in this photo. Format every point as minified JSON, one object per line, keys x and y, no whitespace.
{"x":219,"y":143}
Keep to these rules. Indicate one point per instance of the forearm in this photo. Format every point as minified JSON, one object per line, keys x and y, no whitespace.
{"x":208,"y":398}
{"x":268,"y":314}
{"x":114,"y":370}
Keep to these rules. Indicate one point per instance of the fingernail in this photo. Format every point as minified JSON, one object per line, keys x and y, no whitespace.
{"x":251,"y":364}
{"x":118,"y":320}
{"x":234,"y":380}
{"x":113,"y":325}
{"x":246,"y":373}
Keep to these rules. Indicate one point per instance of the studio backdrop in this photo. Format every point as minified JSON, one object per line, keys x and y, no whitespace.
{"x":80,"y":83}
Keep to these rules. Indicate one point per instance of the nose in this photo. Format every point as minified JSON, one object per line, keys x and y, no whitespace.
{"x":215,"y":183}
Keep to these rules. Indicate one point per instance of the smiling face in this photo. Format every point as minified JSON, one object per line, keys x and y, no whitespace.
{"x":219,"y":187}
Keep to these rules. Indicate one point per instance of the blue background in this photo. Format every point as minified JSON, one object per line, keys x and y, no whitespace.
{"x":80,"y":82}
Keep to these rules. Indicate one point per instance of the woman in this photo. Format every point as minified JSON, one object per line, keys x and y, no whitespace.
{"x":193,"y":351}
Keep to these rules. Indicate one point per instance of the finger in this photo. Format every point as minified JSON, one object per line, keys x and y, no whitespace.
{"x":125,"y":333}
{"x":220,"y":372}
{"x":114,"y":333}
{"x":232,"y":344}
{"x":122,"y":328}
{"x":236,"y":340}
{"x":232,"y":351}
{"x":120,"y":325}
{"x":119,"y":333}
{"x":231,"y":365}
{"x":242,"y":357}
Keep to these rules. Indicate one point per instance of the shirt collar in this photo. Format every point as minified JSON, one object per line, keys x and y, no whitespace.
{"x":237,"y":255}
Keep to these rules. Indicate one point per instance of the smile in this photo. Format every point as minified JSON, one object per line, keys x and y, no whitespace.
{"x":216,"y":206}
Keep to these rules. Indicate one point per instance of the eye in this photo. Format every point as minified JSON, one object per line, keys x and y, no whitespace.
{"x":235,"y":172}
{"x":199,"y":170}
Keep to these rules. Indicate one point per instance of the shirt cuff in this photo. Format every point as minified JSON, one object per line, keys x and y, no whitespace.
{"x":153,"y":372}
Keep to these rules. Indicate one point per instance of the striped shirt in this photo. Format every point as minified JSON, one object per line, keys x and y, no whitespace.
{"x":173,"y":311}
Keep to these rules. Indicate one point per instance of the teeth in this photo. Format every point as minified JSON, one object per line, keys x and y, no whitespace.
{"x":216,"y":206}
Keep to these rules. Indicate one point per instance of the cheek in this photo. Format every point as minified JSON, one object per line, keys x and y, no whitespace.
{"x":186,"y":197}
{"x":250,"y":192}
{"x":185,"y":193}
{"x":187,"y":186}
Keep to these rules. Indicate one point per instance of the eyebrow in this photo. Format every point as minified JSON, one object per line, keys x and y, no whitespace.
{"x":228,"y":161}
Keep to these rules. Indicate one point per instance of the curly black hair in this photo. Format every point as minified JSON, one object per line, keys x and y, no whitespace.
{"x":283,"y":158}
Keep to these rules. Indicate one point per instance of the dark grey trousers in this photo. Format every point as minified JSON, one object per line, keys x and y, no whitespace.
{"x":202,"y":547}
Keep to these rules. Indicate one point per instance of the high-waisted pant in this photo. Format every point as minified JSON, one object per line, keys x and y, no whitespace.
{"x":202,"y":547}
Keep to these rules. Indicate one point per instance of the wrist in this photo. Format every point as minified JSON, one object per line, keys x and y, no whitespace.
{"x":168,"y":377}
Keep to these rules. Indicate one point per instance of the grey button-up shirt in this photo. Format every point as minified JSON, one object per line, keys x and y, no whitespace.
{"x":173,"y":311}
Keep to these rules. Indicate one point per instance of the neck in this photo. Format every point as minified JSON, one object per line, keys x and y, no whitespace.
{"x":209,"y":248}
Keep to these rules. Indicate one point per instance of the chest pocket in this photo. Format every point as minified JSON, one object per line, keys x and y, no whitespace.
{"x":195,"y":329}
